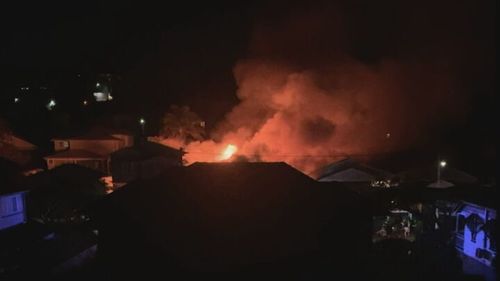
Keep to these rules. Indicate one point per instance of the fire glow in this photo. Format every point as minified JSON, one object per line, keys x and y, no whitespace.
{"x":227,"y":153}
{"x":310,"y":112}
{"x":292,"y":116}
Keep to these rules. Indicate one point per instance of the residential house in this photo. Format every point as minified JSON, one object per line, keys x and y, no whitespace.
{"x":63,"y":194}
{"x":19,"y":143}
{"x":351,"y":171}
{"x":12,"y":196}
{"x":230,"y":220}
{"x":91,"y":150}
{"x":12,"y":208}
{"x":449,"y":176}
{"x":475,"y":231}
{"x":17,"y":149}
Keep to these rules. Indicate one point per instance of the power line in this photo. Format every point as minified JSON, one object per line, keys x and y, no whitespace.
{"x":300,"y":155}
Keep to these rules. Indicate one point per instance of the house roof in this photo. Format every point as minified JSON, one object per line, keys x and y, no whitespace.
{"x":75,"y":154}
{"x":466,"y":208}
{"x":429,"y":174}
{"x":211,"y":215}
{"x":146,"y":150}
{"x":88,"y":137}
{"x":440,"y":184}
{"x":91,"y":135}
{"x":19,"y":143}
{"x":350,"y":170}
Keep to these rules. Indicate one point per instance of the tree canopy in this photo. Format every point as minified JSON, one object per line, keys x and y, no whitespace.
{"x":182,"y":123}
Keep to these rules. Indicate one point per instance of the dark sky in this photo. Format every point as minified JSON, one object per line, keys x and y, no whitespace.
{"x":166,"y":52}
{"x":186,"y":45}
{"x":185,"y":52}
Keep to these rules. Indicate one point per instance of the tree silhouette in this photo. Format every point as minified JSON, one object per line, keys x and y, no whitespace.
{"x":182,"y":123}
{"x":474,"y":223}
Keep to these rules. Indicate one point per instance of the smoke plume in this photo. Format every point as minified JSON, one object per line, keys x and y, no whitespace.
{"x":310,"y":92}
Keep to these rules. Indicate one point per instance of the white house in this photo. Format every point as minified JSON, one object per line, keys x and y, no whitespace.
{"x":474,"y":232}
{"x":12,"y":209}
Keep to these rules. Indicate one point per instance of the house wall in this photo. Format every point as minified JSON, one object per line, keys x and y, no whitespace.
{"x":100,"y":165}
{"x":124,"y":171}
{"x":60,"y":145}
{"x":52,"y":163}
{"x":103,"y":147}
{"x":128,"y":140}
{"x":155,"y":166}
{"x":12,"y":210}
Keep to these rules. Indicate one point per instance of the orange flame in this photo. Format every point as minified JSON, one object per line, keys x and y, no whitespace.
{"x":227,"y":152}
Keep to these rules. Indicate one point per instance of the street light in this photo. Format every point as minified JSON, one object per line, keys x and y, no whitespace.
{"x":442,"y":164}
{"x":51,"y":104}
{"x":142,"y":122}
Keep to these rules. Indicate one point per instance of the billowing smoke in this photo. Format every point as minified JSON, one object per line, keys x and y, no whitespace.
{"x":308,"y":97}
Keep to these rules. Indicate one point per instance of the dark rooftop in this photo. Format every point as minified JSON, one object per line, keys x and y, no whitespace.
{"x":349,"y":163}
{"x":429,"y":174}
{"x":75,"y":154}
{"x":211,"y":216}
{"x":145,"y":150}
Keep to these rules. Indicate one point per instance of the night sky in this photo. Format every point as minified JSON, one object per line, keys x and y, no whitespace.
{"x":185,"y":53}
{"x":174,"y":53}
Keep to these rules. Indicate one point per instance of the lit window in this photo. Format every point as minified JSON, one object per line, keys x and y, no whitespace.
{"x":63,"y":144}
